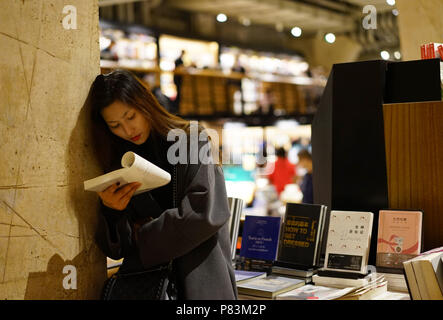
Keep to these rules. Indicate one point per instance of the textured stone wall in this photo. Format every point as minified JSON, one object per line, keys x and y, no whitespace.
{"x":419,"y":21}
{"x":47,"y":221}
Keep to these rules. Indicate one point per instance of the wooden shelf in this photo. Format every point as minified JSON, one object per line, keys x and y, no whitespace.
{"x":414,"y":163}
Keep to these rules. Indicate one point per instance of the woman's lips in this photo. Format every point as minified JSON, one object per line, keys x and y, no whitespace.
{"x":135,"y":138}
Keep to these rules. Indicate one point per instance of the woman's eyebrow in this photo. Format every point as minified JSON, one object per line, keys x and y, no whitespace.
{"x":124,"y":115}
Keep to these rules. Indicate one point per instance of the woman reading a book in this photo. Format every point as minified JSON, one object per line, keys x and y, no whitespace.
{"x":183,"y":221}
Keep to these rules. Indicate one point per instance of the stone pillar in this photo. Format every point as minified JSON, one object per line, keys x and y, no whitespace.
{"x":47,"y":221}
{"x":419,"y":22}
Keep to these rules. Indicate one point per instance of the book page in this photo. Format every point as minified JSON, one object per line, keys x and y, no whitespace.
{"x":143,"y":171}
{"x":135,"y":169}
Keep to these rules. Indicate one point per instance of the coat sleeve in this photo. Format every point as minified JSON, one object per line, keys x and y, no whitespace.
{"x":115,"y":233}
{"x":202,"y":211}
{"x":115,"y":236}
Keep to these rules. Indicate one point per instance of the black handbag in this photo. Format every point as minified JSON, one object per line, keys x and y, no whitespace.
{"x":149,"y":284}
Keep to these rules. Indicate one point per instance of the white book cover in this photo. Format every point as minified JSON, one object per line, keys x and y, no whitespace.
{"x":135,"y":169}
{"x":348,"y":244}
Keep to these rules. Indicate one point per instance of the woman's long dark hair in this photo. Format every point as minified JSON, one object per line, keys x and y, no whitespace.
{"x":123,"y":86}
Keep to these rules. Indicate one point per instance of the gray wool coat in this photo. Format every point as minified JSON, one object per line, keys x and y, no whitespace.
{"x":194,"y":234}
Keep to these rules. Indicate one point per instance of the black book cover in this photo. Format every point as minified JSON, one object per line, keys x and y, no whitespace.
{"x":299,"y":242}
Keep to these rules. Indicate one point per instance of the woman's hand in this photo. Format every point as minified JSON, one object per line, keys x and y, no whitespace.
{"x":118,"y":198}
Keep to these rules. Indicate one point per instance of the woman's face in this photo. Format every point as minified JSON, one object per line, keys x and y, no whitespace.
{"x":126,"y":122}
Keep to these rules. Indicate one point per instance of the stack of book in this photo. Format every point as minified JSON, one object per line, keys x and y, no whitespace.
{"x":424,"y":275}
{"x":314,"y":292}
{"x":375,"y":287}
{"x":204,"y":97}
{"x":269,"y":287}
{"x":278,"y":95}
{"x":340,"y":282}
{"x":187,"y":105}
{"x":432,"y":51}
{"x":370,"y":290}
{"x":290,"y":91}
{"x":242,"y":276}
{"x":301,"y":101}
{"x":396,"y":282}
{"x":232,"y":89}
{"x":220,"y":95}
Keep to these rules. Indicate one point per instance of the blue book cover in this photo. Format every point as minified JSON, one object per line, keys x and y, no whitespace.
{"x":260,"y":237}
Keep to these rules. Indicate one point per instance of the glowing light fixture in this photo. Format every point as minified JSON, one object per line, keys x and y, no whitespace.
{"x":390,"y":2}
{"x":296,"y":32}
{"x":385,"y":55}
{"x":330,"y":38}
{"x":221,"y":17}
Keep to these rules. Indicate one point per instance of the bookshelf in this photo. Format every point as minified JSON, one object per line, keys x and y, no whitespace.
{"x":209,"y":94}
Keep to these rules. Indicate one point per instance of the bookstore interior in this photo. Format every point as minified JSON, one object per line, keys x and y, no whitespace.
{"x":327,"y":116}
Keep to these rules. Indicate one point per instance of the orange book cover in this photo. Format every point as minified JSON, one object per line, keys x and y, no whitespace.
{"x":399,"y":232}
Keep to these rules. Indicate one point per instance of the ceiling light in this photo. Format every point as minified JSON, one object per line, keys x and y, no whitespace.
{"x":390,"y":2}
{"x":385,"y":55}
{"x":296,"y":32}
{"x":395,"y":12}
{"x":221,"y":17}
{"x":397,"y":55}
{"x":330,"y":38}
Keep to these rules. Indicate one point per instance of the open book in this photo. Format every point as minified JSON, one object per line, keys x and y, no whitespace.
{"x":135,"y":169}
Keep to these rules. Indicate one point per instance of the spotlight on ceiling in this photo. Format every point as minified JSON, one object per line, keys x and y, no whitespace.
{"x":330,"y":38}
{"x":221,"y":17}
{"x":296,"y":32}
{"x":385,"y":55}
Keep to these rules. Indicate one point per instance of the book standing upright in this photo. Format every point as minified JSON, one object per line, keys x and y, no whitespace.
{"x":300,"y":242}
{"x":399,"y":238}
{"x":259,"y":242}
{"x":348,"y":244}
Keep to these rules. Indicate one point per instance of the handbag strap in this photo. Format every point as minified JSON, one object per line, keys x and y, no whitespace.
{"x":157,"y":268}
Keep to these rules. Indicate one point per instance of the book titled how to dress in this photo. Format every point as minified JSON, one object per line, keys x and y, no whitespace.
{"x":300,"y":240}
{"x":135,"y":169}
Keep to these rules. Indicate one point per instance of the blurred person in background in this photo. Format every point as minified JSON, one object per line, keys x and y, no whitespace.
{"x":154,"y":84}
{"x":284,"y":171}
{"x":110,"y":52}
{"x":178,"y":79}
{"x":305,"y":163}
